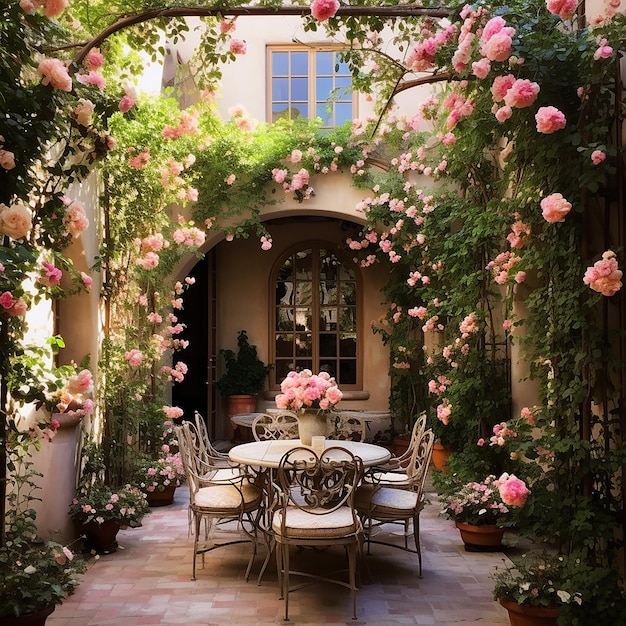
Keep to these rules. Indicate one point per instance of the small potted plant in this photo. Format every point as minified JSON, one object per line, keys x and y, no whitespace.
{"x":158,"y":478}
{"x":244,"y":376}
{"x":36,"y":575}
{"x":102,"y":510}
{"x":480,"y":509}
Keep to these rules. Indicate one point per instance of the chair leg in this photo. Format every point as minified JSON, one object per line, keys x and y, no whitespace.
{"x":279,"y":569}
{"x":196,"y":519}
{"x":352,"y":569}
{"x":416,"y":535}
{"x":285,"y":547}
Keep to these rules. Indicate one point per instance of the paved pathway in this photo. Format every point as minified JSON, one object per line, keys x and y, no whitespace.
{"x":147,"y":581}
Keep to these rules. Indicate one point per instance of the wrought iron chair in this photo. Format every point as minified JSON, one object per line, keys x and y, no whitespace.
{"x":317,"y":509}
{"x":383,"y":503}
{"x":275,"y":425}
{"x":394,"y":472}
{"x":213,"y":499}
{"x":346,"y":427}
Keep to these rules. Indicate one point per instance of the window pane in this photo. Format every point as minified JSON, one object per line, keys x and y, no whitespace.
{"x":323,"y":88}
{"x":284,"y":292}
{"x":284,"y":345}
{"x":348,"y":293}
{"x":322,"y":111}
{"x":304,"y":344}
{"x":304,"y":364}
{"x":343,"y":66}
{"x":300,"y":89}
{"x":343,"y":113}
{"x":330,"y":366}
{"x":347,"y":373}
{"x":303,"y":319}
{"x":347,"y":344}
{"x":328,"y":292}
{"x":280,"y":89}
{"x":346,"y":272}
{"x":299,"y":63}
{"x":328,"y":319}
{"x":303,"y":293}
{"x":303,"y":265}
{"x":344,"y":87}
{"x":328,"y":345}
{"x":280,"y":63}
{"x":279,"y":111}
{"x":347,"y":320}
{"x":324,"y":63}
{"x":282,"y":369}
{"x":299,"y":110}
{"x":284,"y":319}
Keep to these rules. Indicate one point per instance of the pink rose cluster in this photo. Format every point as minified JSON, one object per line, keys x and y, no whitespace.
{"x":513,"y":490}
{"x":496,"y":40}
{"x":307,"y":390}
{"x":71,"y":398}
{"x":549,"y":120}
{"x":50,"y":8}
{"x":604,"y":276}
{"x":16,"y":221}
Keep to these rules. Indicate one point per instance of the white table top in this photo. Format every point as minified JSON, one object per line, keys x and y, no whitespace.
{"x":269,"y":453}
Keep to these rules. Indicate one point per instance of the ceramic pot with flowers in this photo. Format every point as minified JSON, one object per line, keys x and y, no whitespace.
{"x":311,"y":397}
{"x":479,"y":510}
{"x":158,"y":478}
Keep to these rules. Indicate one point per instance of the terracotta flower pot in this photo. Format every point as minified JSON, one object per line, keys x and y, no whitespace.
{"x":240,"y":404}
{"x":483,"y":538}
{"x":161,"y":498}
{"x":522,"y":615}
{"x":101,"y":537}
{"x":440,"y":457}
{"x":38,"y":618}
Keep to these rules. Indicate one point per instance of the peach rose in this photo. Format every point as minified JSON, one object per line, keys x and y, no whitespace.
{"x":54,"y":72}
{"x":16,"y":221}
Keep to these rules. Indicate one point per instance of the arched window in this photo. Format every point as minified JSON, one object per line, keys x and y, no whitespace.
{"x":315,"y":318}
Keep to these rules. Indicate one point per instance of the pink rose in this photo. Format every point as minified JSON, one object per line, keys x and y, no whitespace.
{"x":549,"y":120}
{"x":75,"y":219}
{"x":321,"y":10}
{"x":513,"y":490}
{"x":92,"y":78}
{"x":50,"y":275}
{"x":18,"y":309}
{"x":94,"y":59}
{"x":134,"y":357}
{"x":597,"y":156}
{"x":6,"y":300}
{"x":7,"y":159}
{"x":504,"y":113}
{"x":54,"y":72}
{"x":554,"y":208}
{"x":237,"y":46}
{"x":500,"y":86}
{"x":481,"y":68}
{"x":521,"y":94}
{"x":563,"y":8}
{"x":498,"y":48}
{"x":54,"y":8}
{"x":87,"y":280}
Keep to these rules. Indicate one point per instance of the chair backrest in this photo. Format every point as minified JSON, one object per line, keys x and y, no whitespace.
{"x":278,"y":425}
{"x":404,"y":459}
{"x":347,"y":427}
{"x":190,"y":454}
{"x":209,"y":454}
{"x":319,"y":484}
{"x":420,"y":460}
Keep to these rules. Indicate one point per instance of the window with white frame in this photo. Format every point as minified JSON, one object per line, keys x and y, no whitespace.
{"x":309,"y":82}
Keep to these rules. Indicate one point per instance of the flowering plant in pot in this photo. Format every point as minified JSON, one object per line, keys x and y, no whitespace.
{"x":160,"y":474}
{"x":486,"y":502}
{"x":36,"y":574}
{"x":312,"y":396}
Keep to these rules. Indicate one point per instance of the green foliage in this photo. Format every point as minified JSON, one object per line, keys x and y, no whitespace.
{"x":245,"y":372}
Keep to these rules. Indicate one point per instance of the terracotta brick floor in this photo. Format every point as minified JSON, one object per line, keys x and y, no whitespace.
{"x":147,"y":581}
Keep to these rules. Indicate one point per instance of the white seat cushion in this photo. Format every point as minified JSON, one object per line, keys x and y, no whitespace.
{"x":227,"y":496}
{"x":395,"y":478}
{"x":385,"y":499}
{"x":222,"y":475}
{"x":299,"y":523}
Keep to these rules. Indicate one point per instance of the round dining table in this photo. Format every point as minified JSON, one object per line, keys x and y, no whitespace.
{"x":269,"y":453}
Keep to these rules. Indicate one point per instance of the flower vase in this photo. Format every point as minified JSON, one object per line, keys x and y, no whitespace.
{"x":38,"y":618}
{"x":161,"y":498}
{"x":101,"y":537}
{"x":522,"y":615}
{"x":312,"y":423}
{"x":481,"y":538}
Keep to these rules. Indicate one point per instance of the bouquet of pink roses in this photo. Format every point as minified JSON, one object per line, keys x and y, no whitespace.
{"x":301,"y":390}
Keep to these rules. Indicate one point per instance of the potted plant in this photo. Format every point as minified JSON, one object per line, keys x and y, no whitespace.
{"x":480,"y":509}
{"x":36,"y":575}
{"x":244,"y":376}
{"x":102,"y":510}
{"x":312,"y":396}
{"x":158,"y":478}
{"x":550,"y":588}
